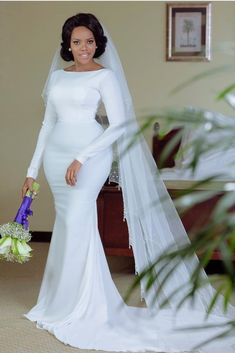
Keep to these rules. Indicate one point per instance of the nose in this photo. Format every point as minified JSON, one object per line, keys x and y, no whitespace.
{"x":83,"y":47}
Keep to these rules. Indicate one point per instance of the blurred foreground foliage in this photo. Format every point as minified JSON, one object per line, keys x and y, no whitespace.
{"x":212,"y":132}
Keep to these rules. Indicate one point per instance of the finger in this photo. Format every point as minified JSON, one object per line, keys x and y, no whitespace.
{"x":72,"y":177}
{"x":67,"y":177}
{"x":73,"y":181}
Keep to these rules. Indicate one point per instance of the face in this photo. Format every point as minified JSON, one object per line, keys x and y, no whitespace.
{"x":83,"y":44}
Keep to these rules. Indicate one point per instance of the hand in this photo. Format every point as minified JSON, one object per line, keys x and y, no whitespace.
{"x":71,"y":174}
{"x":27,"y":186}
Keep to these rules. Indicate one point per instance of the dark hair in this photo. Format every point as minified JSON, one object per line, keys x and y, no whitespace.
{"x":82,"y":19}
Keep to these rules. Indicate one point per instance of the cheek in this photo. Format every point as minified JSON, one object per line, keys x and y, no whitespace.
{"x":93,"y":48}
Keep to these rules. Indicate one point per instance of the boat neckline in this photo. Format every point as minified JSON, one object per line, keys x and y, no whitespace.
{"x":78,"y":72}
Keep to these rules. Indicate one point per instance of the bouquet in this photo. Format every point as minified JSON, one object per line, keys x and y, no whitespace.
{"x":15,"y":235}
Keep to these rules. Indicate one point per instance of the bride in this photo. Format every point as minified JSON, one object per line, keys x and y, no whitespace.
{"x":78,"y":301}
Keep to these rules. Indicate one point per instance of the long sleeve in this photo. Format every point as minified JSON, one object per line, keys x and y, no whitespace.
{"x":46,"y":128}
{"x":111,"y":96}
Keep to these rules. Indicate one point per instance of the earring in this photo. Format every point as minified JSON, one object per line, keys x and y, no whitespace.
{"x":70,"y":49}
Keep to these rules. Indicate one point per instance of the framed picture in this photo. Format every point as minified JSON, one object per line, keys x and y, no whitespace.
{"x":188,"y":31}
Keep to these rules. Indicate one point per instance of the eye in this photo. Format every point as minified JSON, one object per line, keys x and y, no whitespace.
{"x":90,"y":41}
{"x":75,"y":41}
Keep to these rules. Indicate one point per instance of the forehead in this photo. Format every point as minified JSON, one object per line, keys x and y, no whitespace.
{"x":81,"y":32}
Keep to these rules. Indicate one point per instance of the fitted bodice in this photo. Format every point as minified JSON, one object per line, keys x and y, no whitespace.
{"x":76,"y":96}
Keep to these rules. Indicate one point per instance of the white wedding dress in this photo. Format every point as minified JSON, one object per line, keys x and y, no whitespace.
{"x":78,"y":301}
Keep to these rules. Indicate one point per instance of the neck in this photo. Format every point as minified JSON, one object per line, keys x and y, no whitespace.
{"x":80,"y":67}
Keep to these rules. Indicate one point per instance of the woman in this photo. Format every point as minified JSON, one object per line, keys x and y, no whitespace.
{"x":78,"y":301}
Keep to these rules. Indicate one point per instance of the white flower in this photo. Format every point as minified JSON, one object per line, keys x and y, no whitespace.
{"x":5,"y":245}
{"x":23,"y":248}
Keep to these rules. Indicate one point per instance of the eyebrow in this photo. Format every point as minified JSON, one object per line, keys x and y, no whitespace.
{"x":79,"y":38}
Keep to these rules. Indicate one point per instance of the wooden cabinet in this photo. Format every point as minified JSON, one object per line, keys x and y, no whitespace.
{"x":113,"y":230}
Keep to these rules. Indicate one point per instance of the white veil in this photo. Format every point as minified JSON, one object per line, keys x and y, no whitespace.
{"x":152,"y":228}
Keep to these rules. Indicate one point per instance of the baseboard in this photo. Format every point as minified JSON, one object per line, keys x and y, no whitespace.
{"x":41,"y":236}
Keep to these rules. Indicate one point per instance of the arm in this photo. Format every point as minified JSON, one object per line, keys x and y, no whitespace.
{"x":111,"y":96}
{"x":46,"y":128}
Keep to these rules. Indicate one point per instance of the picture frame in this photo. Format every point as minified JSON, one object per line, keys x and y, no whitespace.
{"x":188,"y":31}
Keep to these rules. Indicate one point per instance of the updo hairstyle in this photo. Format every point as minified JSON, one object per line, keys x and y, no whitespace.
{"x":82,"y":19}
